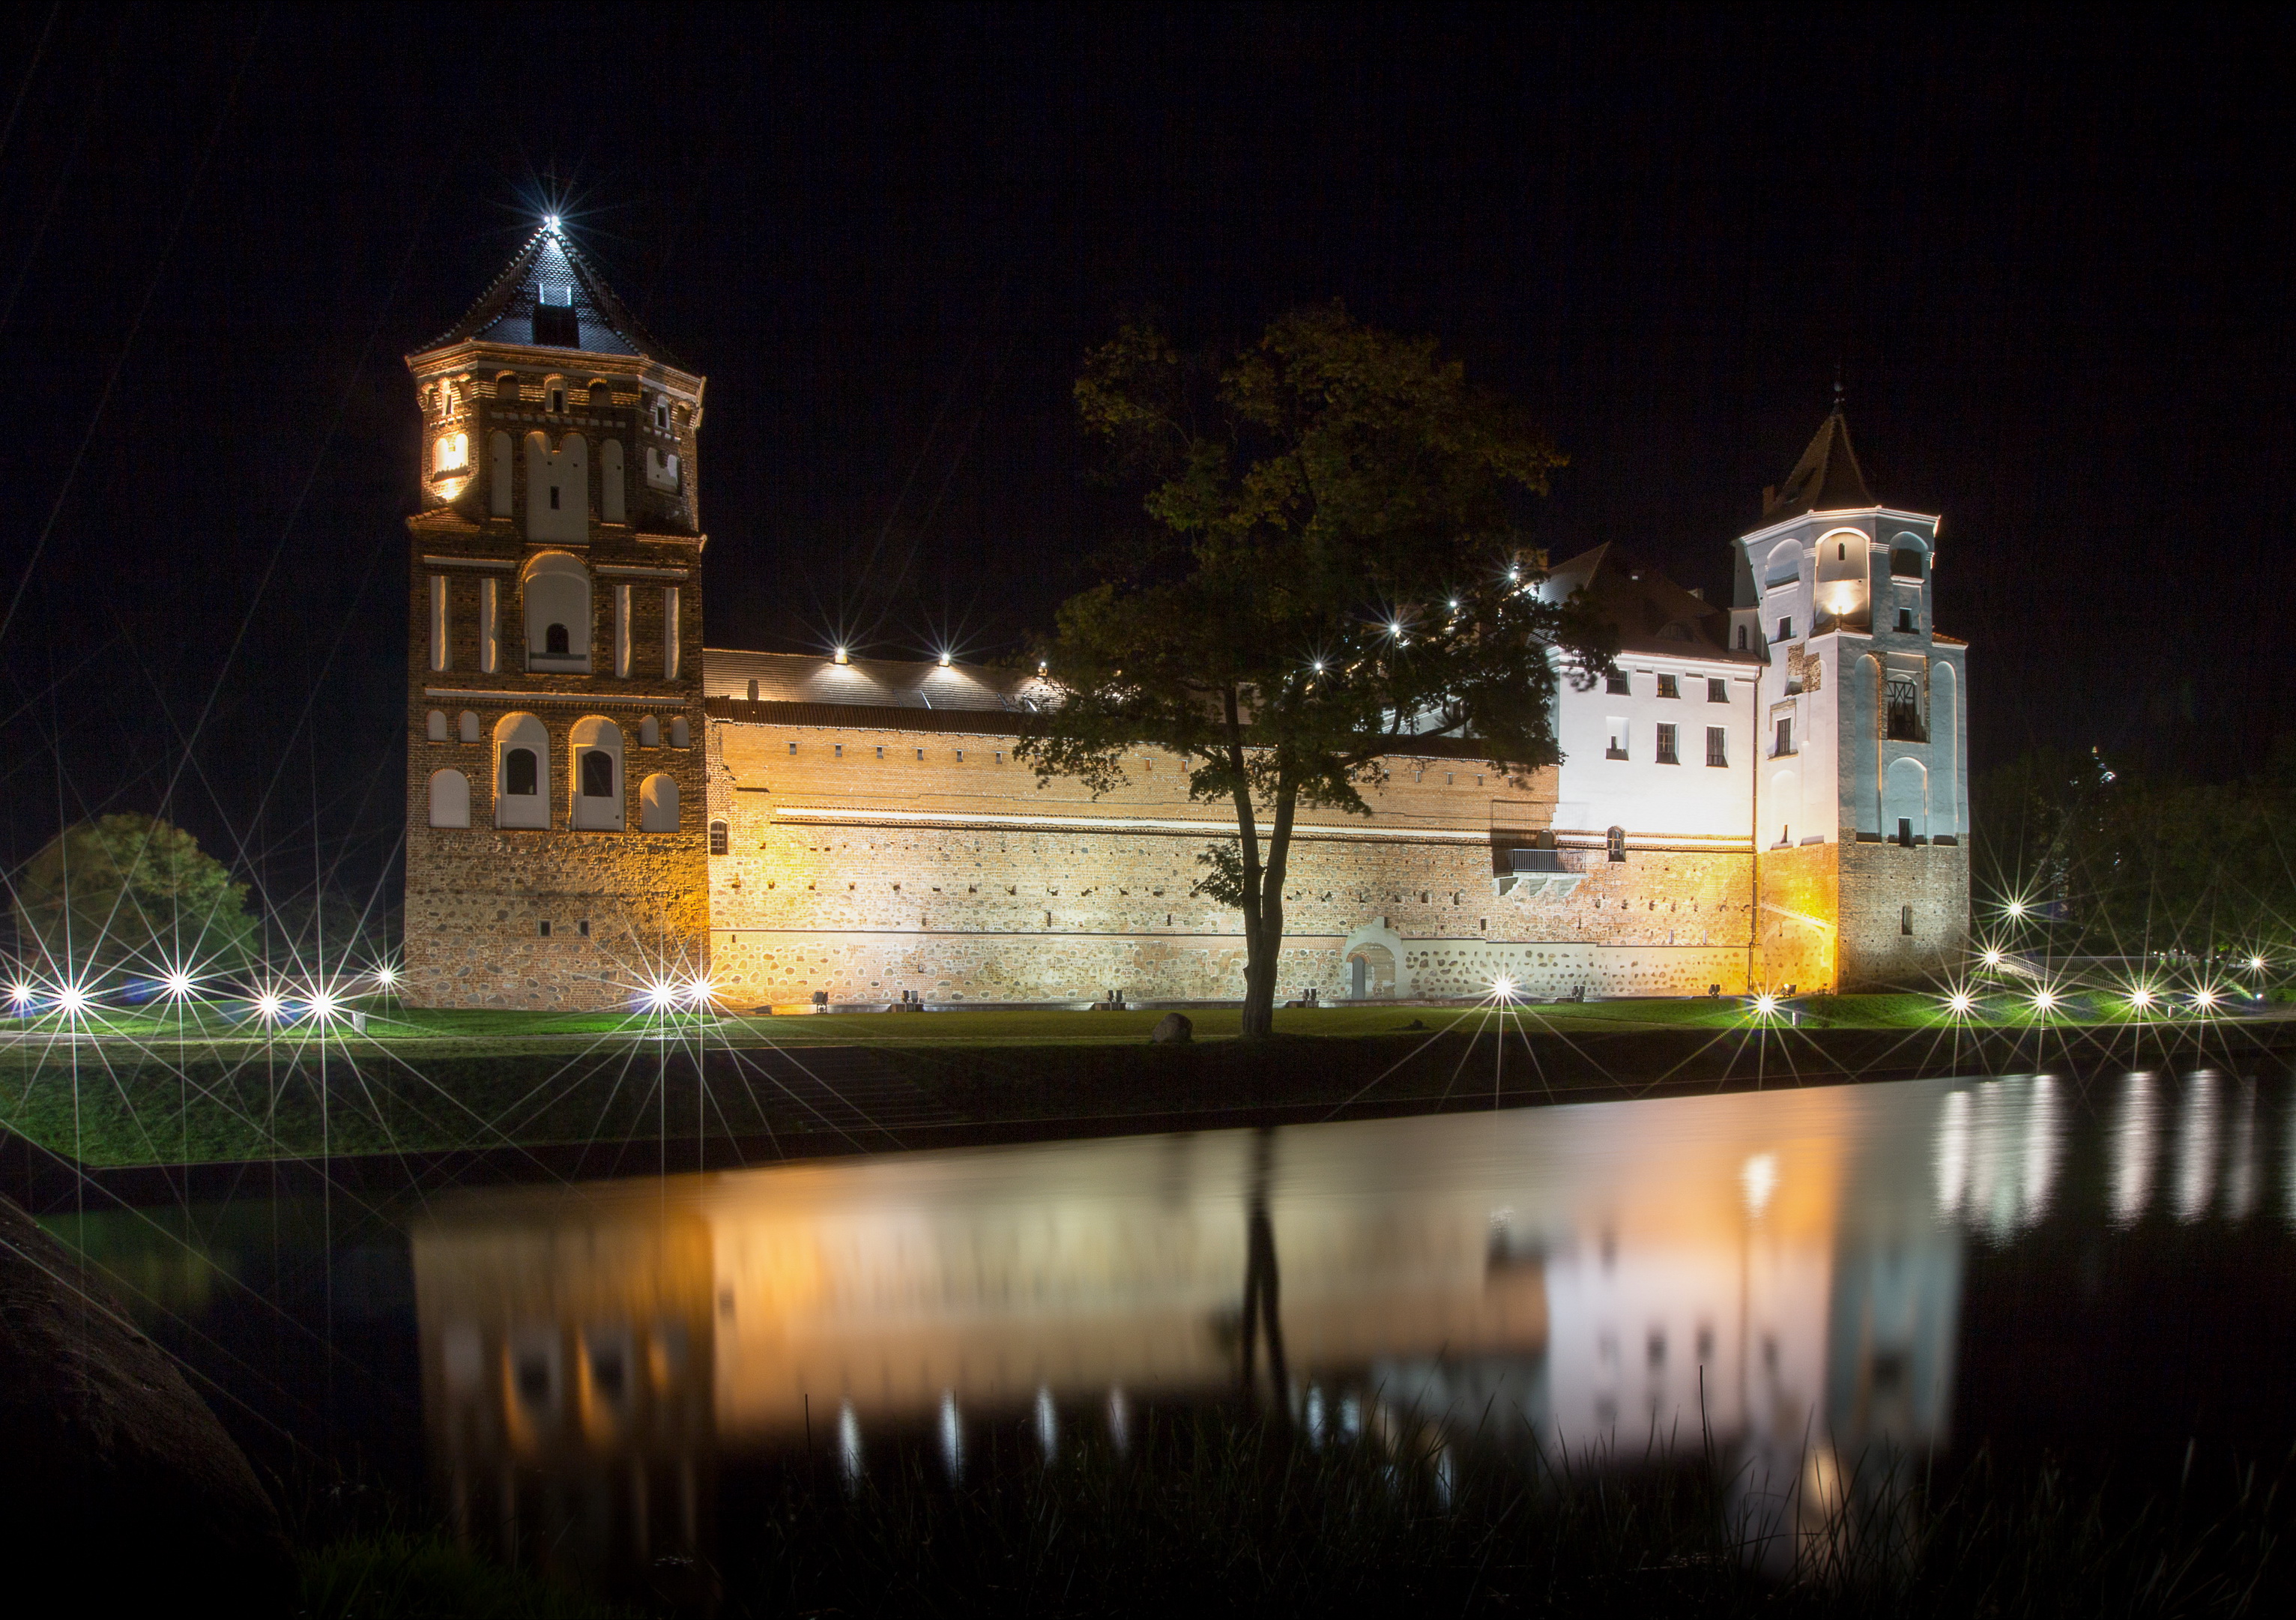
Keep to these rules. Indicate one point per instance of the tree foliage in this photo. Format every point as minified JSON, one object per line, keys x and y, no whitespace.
{"x":2122,"y":860}
{"x":1332,"y":571}
{"x":134,"y":892}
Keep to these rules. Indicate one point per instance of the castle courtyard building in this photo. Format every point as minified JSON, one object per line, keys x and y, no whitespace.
{"x":1770,"y":793}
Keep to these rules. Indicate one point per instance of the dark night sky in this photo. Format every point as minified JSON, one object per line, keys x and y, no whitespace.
{"x":2052,"y":255}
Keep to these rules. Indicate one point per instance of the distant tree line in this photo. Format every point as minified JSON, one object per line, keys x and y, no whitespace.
{"x":2117,"y":859}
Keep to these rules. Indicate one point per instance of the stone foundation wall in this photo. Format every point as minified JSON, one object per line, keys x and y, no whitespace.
{"x":1800,"y":918}
{"x":1878,"y":882}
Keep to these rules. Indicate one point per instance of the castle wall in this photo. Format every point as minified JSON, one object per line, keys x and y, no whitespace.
{"x":956,"y":878}
{"x":1879,"y":881}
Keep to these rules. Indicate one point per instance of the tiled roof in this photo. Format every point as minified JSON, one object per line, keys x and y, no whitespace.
{"x":551,"y":272}
{"x":813,"y":678}
{"x":1654,"y":616}
{"x":1828,"y":478}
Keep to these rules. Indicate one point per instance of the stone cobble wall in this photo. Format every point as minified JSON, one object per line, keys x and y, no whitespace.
{"x":823,"y":888}
{"x":1877,"y":881}
{"x":1797,"y":926}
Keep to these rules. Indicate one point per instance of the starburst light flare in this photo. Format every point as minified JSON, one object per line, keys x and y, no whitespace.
{"x":1766,"y":1005}
{"x":72,"y":998}
{"x":386,"y":977}
{"x":2205,"y":998}
{"x":1503,"y":988}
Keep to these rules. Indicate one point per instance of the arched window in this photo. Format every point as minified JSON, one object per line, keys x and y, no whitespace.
{"x":600,"y":394}
{"x":557,"y":589}
{"x":597,"y":745}
{"x":522,"y":772}
{"x":1614,"y":843}
{"x":658,"y":805}
{"x":679,"y":736}
{"x":506,"y":385}
{"x":435,"y":726}
{"x":649,"y":732}
{"x":717,"y":840}
{"x":1905,"y":803}
{"x":468,"y":728}
{"x":451,"y":453}
{"x":450,"y":799}
{"x":553,"y":395}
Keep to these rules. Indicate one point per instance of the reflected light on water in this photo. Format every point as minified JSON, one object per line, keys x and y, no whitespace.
{"x":848,"y":1442}
{"x":1759,"y":1178}
{"x":2240,"y":1164}
{"x":1998,"y":1152}
{"x":1048,"y":1424}
{"x":1119,"y":1422}
{"x":2196,"y":1148}
{"x":952,"y":1436}
{"x":2136,"y":1144}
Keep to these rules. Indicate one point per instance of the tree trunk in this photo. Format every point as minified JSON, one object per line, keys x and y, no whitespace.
{"x":1263,"y":920}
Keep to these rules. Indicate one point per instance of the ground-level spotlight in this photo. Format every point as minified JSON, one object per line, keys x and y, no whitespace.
{"x":20,"y":994}
{"x":72,"y":999}
{"x":2256,"y":964}
{"x":2015,"y":908}
{"x":2142,"y":997}
{"x":179,"y":985}
{"x":1503,"y":988}
{"x":386,"y":977}
{"x":1766,"y":1005}
{"x":2205,"y":998}
{"x":660,"y":995}
{"x":700,"y":993}
{"x":2044,"y":1000}
{"x":1960,"y":1004}
{"x":1992,"y":958}
{"x":324,"y":1006}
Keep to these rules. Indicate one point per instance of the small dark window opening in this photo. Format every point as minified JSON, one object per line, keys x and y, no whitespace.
{"x":1785,"y":736}
{"x":1668,"y":687}
{"x":1619,"y":681}
{"x":583,"y":928}
{"x":520,"y":772}
{"x":597,"y":774}
{"x":1842,"y":551}
{"x":1718,"y":691}
{"x":1786,"y":629}
{"x":553,"y":498}
{"x":753,"y":691}
{"x":1904,"y":832}
{"x":557,"y":326}
{"x":1905,"y":920}
{"x":1717,"y":746}
{"x":1906,"y":563}
{"x":717,"y":838}
{"x":1905,"y":619}
{"x":542,"y":929}
{"x":1666,"y":755}
{"x":1742,"y":638}
{"x":555,"y":640}
{"x":1614,"y":843}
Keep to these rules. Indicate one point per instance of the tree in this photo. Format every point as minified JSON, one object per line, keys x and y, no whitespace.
{"x":1330,"y":572}
{"x":131,"y":891}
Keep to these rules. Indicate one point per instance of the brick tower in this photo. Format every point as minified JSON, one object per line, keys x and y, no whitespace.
{"x":555,"y":855}
{"x":1861,"y":814}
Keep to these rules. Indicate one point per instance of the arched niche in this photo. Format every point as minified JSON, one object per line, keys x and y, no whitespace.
{"x":1783,"y":565}
{"x":679,"y":736}
{"x":434,"y":726}
{"x":500,"y":471}
{"x":658,"y":804}
{"x":467,"y":727}
{"x":1905,"y":802}
{"x":1841,"y":555}
{"x":522,"y":772}
{"x":1944,"y":751}
{"x":557,"y":487}
{"x":557,"y":590}
{"x":1863,"y":745}
{"x":1909,"y":556}
{"x":596,"y":750}
{"x":450,"y":799}
{"x":613,"y":485}
{"x":649,"y":732}
{"x":1385,"y":969}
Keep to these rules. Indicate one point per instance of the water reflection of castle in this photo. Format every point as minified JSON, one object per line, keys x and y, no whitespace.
{"x":1780,"y":1271}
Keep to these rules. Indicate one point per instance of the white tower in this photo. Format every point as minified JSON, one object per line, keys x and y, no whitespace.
{"x":1862,"y":808}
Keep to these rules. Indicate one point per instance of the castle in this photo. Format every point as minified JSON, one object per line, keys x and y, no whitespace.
{"x":1770,"y":794}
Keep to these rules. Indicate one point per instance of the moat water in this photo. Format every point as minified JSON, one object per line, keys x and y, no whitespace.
{"x":2095,"y":1266}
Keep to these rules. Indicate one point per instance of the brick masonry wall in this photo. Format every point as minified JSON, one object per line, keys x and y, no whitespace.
{"x":824,"y":887}
{"x":1798,"y":930}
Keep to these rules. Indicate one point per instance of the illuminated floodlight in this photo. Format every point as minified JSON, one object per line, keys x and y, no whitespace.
{"x":2015,"y":908}
{"x":72,"y":999}
{"x":1503,"y":987}
{"x":19,"y":992}
{"x":2256,"y":964}
{"x":1455,"y":604}
{"x":660,"y":995}
{"x":1395,"y":626}
{"x":2205,"y":998}
{"x":1766,"y":1004}
{"x":844,"y":656}
{"x":550,"y":223}
{"x":325,"y":1006}
{"x":1318,"y":666}
{"x":2044,"y":1000}
{"x":700,"y":993}
{"x":945,"y":659}
{"x":2141,"y":997}
{"x":179,"y":985}
{"x":271,"y":1006}
{"x":1960,"y":1004}
{"x":1993,"y":956}
{"x":386,"y":977}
